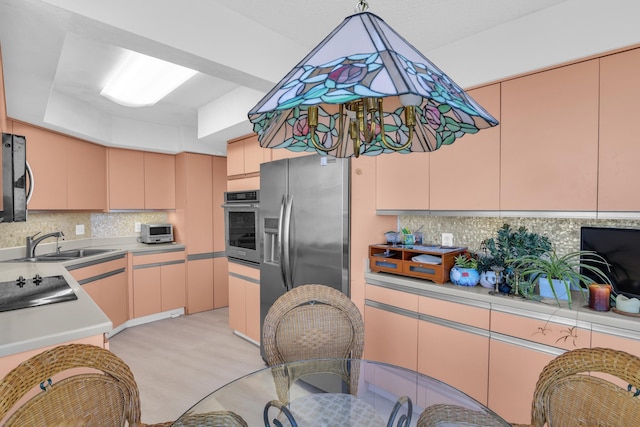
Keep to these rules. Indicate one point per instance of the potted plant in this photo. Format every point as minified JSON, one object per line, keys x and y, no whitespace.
{"x":465,"y":270}
{"x":557,"y":275}
{"x":507,"y":245}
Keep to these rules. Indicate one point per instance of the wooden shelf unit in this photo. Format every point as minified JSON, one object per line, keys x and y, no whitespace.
{"x":399,"y":262}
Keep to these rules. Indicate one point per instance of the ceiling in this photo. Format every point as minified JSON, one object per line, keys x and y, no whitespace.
{"x":57,"y":54}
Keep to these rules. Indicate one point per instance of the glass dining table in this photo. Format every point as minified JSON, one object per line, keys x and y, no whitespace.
{"x":340,"y":392}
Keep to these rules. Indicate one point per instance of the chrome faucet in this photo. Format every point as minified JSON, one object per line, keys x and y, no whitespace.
{"x":31,"y":243}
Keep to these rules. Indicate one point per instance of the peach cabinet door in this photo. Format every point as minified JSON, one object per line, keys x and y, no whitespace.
{"x":253,"y":154}
{"x":220,"y":283}
{"x":391,"y":337}
{"x":46,"y":153}
{"x":402,"y":181}
{"x":456,"y":357}
{"x":173,"y":285}
{"x":113,"y":297}
{"x":549,"y":140}
{"x":477,"y":156}
{"x":219,"y":179}
{"x":159,"y":181}
{"x":252,"y":294}
{"x":199,"y":285}
{"x":235,"y":157}
{"x":237,"y":306}
{"x":618,"y":173}
{"x":513,"y":373}
{"x":199,"y":204}
{"x":86,"y":175}
{"x":146,"y":291}
{"x":126,"y":179}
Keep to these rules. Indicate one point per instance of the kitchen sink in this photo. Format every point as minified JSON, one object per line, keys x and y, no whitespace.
{"x":64,"y":255}
{"x":77,"y":253}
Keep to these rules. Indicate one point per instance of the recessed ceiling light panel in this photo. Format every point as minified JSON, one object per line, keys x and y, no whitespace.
{"x":142,"y":80}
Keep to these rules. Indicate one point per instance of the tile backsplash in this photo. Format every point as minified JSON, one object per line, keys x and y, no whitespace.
{"x":95,"y":225}
{"x":563,"y":233}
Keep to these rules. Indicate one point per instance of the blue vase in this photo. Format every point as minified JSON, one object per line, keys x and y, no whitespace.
{"x":464,"y":276}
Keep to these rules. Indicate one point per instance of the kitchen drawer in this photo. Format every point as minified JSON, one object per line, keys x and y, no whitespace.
{"x":96,"y":270}
{"x":392,"y":297}
{"x":565,"y":335}
{"x":154,"y":258}
{"x":455,"y":312}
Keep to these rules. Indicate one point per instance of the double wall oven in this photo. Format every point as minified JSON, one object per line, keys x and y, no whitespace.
{"x":241,"y":209}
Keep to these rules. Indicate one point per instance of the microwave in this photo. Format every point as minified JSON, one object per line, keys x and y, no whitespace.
{"x":156,"y":233}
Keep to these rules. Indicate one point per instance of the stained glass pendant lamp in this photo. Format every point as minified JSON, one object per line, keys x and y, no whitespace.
{"x":364,"y":90}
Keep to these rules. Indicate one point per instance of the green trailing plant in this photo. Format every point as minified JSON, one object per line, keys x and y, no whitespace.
{"x":509,"y":244}
{"x":565,"y":268}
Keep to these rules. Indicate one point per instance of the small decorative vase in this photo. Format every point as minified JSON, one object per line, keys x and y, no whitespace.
{"x":488,"y":279}
{"x":545,"y":289}
{"x":464,"y":276}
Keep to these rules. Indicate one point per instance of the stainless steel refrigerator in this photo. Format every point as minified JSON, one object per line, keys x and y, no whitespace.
{"x":303,"y":225}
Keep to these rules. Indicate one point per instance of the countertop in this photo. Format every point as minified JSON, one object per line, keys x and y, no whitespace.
{"x":37,"y":327}
{"x":606,"y":322}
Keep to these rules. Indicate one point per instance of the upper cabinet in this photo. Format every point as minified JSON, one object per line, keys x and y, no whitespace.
{"x":466,"y":174}
{"x":549,"y":140}
{"x":619,"y":174}
{"x":69,"y":174}
{"x":244,"y":156}
{"x":141,"y":180}
{"x":402,"y":181}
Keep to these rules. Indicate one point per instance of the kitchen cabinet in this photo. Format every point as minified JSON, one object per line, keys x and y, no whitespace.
{"x":69,"y":174}
{"x":141,"y":180}
{"x":106,"y":282}
{"x":402,"y":181}
{"x":549,"y":140}
{"x":159,"y":281}
{"x":521,"y":346}
{"x":391,"y":327}
{"x":200,"y":283}
{"x":244,"y":300}
{"x":476,"y":158}
{"x":618,"y":173}
{"x":199,"y":224}
{"x":244,"y":156}
{"x":456,"y":335}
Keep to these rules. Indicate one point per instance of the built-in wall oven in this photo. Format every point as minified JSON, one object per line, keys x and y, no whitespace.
{"x":241,"y":210}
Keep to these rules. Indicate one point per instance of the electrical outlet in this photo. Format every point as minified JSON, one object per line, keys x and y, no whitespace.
{"x":136,"y":227}
{"x":79,"y":229}
{"x":447,"y":239}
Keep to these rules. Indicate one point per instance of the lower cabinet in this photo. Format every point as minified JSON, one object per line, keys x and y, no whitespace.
{"x":159,"y":282}
{"x":107,"y":285}
{"x":453,"y":335}
{"x":514,"y":368}
{"x":244,"y":300}
{"x":391,"y":327}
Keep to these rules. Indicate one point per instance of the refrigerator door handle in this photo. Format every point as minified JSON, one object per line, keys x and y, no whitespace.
{"x":283,"y":267}
{"x":286,"y":261}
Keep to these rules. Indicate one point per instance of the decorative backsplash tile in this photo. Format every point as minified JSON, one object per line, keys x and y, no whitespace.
{"x":563,"y":233}
{"x":95,"y":225}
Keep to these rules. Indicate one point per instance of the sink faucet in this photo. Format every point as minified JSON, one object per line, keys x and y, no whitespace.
{"x":31,"y":243}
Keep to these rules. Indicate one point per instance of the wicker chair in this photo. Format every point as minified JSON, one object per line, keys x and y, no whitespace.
{"x":566,"y":397}
{"x":313,"y":322}
{"x":447,"y":414}
{"x":98,"y":390}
